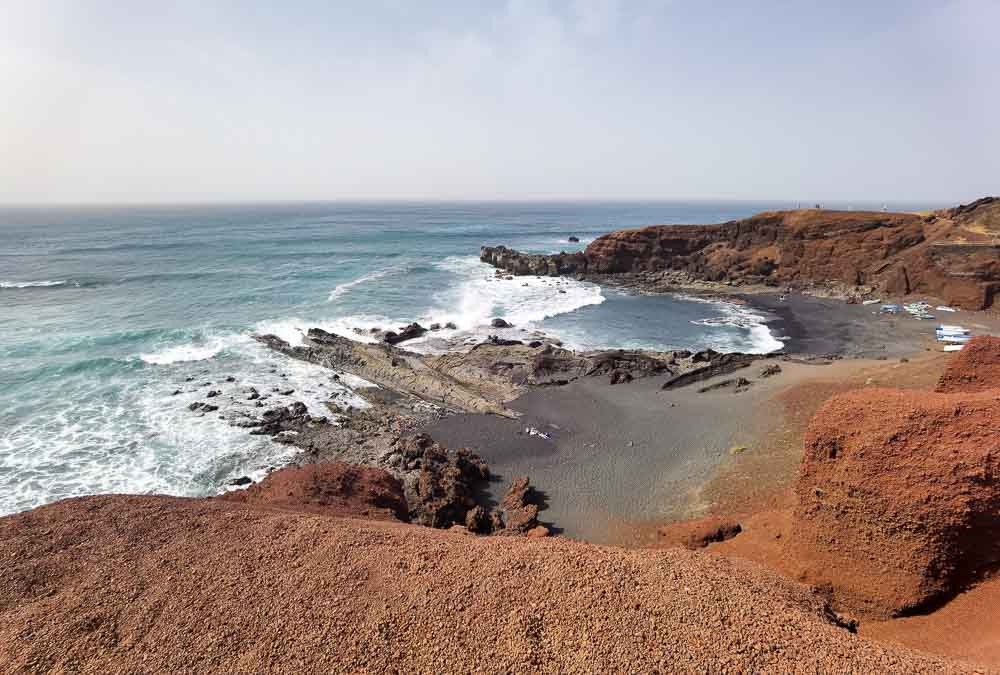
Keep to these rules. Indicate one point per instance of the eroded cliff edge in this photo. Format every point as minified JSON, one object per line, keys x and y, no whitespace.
{"x":952,"y":254}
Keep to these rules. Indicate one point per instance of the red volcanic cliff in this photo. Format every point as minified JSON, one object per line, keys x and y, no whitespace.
{"x":899,"y":490}
{"x":952,"y":254}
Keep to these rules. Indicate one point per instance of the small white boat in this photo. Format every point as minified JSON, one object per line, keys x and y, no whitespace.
{"x":953,"y":348}
{"x":956,"y":330}
{"x":945,"y":309}
{"x":954,"y":338}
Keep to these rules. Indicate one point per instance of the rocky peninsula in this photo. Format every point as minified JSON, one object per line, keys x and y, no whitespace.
{"x":952,"y":254}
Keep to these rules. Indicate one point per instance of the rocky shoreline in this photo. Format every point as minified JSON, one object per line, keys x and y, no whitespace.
{"x":409,"y":392}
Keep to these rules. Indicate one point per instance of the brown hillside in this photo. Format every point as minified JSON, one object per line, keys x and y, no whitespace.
{"x":143,"y":584}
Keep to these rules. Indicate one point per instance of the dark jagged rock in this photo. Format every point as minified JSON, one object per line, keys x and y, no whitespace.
{"x":632,"y":362}
{"x":445,"y":488}
{"x":414,"y":330}
{"x":574,"y":240}
{"x":273,"y":421}
{"x":518,"y":263}
{"x":770,"y":370}
{"x":720,"y":364}
{"x":501,"y":342}
{"x":499,"y":323}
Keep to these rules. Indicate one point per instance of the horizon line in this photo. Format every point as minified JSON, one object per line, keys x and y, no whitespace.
{"x":804,"y":203}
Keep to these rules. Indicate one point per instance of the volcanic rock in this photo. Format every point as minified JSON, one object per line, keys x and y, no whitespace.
{"x":414,"y":330}
{"x":281,"y":418}
{"x":697,"y":534}
{"x":620,"y":376}
{"x":899,"y":497}
{"x":499,"y":323}
{"x":330,"y":489}
{"x":520,"y":506}
{"x":950,"y":254}
{"x":975,"y":368}
{"x":445,"y":489}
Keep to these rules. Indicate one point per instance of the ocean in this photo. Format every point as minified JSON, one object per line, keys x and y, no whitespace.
{"x":105,"y":312}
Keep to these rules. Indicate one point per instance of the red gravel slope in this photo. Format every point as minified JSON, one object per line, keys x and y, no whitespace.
{"x":975,"y":368}
{"x":144,"y":584}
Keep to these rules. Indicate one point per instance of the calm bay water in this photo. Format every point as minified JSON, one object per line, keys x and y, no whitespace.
{"x":105,"y":312}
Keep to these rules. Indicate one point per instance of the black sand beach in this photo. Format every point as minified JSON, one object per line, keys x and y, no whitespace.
{"x":620,"y":457}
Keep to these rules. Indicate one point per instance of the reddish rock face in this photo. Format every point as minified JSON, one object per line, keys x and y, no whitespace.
{"x":950,"y":254}
{"x":899,"y":497}
{"x":697,"y":534}
{"x":333,"y":489}
{"x":975,"y":368}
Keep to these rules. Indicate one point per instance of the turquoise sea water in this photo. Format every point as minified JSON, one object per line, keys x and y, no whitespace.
{"x":105,"y":312}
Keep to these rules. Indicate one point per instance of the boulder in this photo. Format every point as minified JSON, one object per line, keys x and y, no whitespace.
{"x":520,"y":507}
{"x":899,"y":497}
{"x":414,"y":330}
{"x":499,"y":323}
{"x":700,"y":533}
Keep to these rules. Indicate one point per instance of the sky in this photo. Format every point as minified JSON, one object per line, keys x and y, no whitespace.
{"x":200,"y":100}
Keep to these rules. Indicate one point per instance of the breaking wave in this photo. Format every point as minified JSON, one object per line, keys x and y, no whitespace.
{"x":35,"y":284}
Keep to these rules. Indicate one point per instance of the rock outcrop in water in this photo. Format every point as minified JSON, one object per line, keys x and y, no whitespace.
{"x":951,"y":254}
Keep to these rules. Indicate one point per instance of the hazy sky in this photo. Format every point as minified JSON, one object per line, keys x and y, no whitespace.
{"x":200,"y":100}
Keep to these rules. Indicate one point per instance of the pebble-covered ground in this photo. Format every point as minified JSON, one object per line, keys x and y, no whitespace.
{"x":162,"y":584}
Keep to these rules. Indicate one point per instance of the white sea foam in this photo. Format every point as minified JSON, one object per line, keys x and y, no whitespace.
{"x":139,"y":437}
{"x":193,"y":351}
{"x":342,"y":289}
{"x":293,"y":330}
{"x":33,"y":284}
{"x":481,"y":296}
{"x":762,"y":339}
